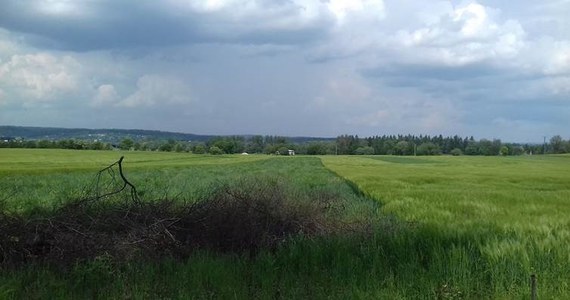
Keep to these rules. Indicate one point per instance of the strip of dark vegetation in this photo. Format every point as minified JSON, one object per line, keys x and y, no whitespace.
{"x":145,"y":140}
{"x":244,"y":218}
{"x":405,"y":160}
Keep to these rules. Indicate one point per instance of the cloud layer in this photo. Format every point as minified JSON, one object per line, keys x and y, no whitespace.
{"x":485,"y":68}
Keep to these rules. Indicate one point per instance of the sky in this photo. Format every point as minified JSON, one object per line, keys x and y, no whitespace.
{"x":488,"y":69}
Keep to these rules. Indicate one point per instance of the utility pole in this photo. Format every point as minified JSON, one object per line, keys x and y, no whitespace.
{"x":544,"y":146}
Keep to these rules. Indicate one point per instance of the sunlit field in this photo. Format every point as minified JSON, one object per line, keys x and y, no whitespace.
{"x":36,"y":161}
{"x":507,"y":217}
{"x":440,"y":227}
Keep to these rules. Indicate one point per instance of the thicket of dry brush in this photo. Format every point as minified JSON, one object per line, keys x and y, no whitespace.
{"x":243,"y":217}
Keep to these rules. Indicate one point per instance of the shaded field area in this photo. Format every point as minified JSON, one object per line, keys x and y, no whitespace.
{"x":244,"y":227}
{"x":231,"y":212}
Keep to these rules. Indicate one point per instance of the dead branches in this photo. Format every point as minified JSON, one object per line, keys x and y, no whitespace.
{"x":110,"y":171}
{"x":244,"y":217}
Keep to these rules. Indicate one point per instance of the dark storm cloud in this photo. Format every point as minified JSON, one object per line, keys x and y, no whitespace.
{"x":95,"y":25}
{"x":410,"y":74}
{"x":102,"y":25}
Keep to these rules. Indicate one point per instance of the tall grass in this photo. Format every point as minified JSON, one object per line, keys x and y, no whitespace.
{"x":443,"y":228}
{"x":506,"y":218}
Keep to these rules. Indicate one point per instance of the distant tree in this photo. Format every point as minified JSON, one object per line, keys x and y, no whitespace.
{"x":504,"y":151}
{"x":557,"y":144}
{"x":234,"y":144}
{"x":44,"y":144}
{"x":144,"y":146}
{"x":199,"y":149}
{"x":283,"y":150}
{"x":317,"y":148}
{"x":364,"y":150}
{"x":428,"y":148}
{"x":567,"y":146}
{"x":402,"y":148}
{"x":215,"y":150}
{"x":168,"y":146}
{"x":516,"y":150}
{"x":29,"y":144}
{"x":255,"y":144}
{"x":344,"y":144}
{"x":532,"y":149}
{"x":180,"y":147}
{"x":472,"y":148}
{"x":496,"y":146}
{"x":126,"y":144}
{"x":97,"y":145}
{"x":456,"y":152}
{"x":388,"y":147}
{"x":486,"y":147}
{"x":270,"y":149}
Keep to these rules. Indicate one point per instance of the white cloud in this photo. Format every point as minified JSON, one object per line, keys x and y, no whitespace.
{"x":60,"y":8}
{"x":343,"y":9}
{"x":558,"y":58}
{"x":7,"y":46}
{"x":154,"y":90}
{"x":2,"y":96}
{"x":106,"y":95}
{"x":39,"y":77}
{"x":467,"y":34}
{"x":559,"y":86}
{"x":358,"y":30}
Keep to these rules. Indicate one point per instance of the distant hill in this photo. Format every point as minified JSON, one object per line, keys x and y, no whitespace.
{"x":105,"y":135}
{"x":113,"y":135}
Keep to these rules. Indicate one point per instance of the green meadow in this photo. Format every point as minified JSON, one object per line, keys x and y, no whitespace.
{"x":505,"y":217}
{"x":441,"y":227}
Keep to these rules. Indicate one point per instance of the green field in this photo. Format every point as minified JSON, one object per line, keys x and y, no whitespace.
{"x":445,"y":227}
{"x":506,"y":217}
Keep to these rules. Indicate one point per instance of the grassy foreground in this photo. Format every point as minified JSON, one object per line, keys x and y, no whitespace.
{"x":465,"y":228}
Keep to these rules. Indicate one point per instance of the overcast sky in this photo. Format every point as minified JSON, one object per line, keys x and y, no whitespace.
{"x":491,"y":69}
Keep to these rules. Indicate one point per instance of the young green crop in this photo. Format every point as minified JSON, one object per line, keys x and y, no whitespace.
{"x":49,"y":161}
{"x":443,"y":227}
{"x":508,"y":214}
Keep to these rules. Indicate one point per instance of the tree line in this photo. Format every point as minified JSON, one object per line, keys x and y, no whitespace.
{"x":342,"y":145}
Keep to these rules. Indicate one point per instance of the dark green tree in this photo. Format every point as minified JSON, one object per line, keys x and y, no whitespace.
{"x":215,"y":151}
{"x":428,"y":148}
{"x":126,"y":144}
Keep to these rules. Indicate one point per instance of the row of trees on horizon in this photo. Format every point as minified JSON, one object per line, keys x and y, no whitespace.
{"x":342,"y":145}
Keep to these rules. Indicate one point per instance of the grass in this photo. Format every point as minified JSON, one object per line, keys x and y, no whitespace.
{"x":507,"y":216}
{"x":203,"y":275}
{"x":465,"y":191}
{"x":446,"y":228}
{"x":31,"y":178}
{"x":49,"y":161}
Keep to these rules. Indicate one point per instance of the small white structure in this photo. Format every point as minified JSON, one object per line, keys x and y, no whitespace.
{"x":291,"y":152}
{"x":244,"y":153}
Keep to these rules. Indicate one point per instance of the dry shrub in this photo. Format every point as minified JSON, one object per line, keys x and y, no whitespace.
{"x":244,"y":217}
{"x":251,"y":215}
